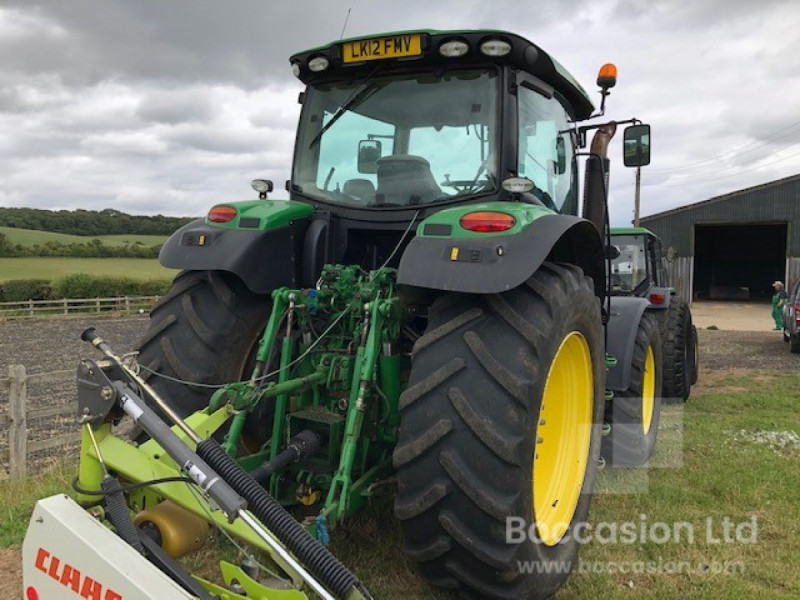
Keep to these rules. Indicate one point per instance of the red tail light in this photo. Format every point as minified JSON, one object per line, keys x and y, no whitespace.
{"x":222,"y":214}
{"x":31,"y":593}
{"x":656,"y":298}
{"x":797,"y":312}
{"x":487,"y":221}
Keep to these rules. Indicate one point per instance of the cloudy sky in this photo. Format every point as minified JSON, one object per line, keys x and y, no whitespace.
{"x":172,"y":105}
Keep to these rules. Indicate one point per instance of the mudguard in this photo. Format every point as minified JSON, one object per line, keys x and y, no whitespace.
{"x":490,"y":264}
{"x":626,"y":312}
{"x":260,"y":245}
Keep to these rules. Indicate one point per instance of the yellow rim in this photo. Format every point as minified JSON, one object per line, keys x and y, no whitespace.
{"x":563,"y":435}
{"x":648,"y":389}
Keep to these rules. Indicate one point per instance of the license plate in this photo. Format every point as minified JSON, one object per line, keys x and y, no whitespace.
{"x":396,"y":46}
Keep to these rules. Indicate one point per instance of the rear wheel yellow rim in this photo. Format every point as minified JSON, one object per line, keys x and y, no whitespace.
{"x":648,"y":389}
{"x":563,"y":436}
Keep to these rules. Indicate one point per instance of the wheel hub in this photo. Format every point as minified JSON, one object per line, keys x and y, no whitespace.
{"x":563,"y":436}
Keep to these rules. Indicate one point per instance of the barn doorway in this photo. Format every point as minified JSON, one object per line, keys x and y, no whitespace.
{"x":738,"y":262}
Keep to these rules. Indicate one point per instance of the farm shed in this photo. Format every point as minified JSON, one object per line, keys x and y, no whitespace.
{"x":732,"y":247}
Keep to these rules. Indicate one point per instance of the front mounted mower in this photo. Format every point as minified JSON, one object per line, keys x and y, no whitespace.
{"x":428,"y":307}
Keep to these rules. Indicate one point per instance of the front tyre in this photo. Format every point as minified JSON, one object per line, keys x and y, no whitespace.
{"x":501,"y":427}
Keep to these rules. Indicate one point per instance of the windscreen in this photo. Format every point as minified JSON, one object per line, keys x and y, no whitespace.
{"x":400,"y":140}
{"x":629,"y":269}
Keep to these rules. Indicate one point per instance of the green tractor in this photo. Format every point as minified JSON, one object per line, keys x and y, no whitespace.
{"x":638,"y":269}
{"x":427,"y":306}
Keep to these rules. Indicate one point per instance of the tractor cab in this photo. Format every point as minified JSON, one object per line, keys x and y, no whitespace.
{"x":444,"y":134}
{"x":422,"y":120}
{"x":637,"y":264}
{"x":398,"y":127}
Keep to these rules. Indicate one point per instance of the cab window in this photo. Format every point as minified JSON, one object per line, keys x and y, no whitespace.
{"x":545,"y":151}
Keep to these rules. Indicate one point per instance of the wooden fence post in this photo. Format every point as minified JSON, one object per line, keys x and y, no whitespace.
{"x":127,"y":305}
{"x":18,"y":428}
{"x":97,"y":305}
{"x":30,"y":308}
{"x":66,"y":307}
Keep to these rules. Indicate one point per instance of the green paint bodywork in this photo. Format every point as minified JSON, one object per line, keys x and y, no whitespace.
{"x":631,"y":231}
{"x":253,"y":589}
{"x":271,"y":213}
{"x":523,"y":213}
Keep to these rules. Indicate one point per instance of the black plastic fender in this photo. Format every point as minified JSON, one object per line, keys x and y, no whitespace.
{"x":262,"y":259}
{"x":498,"y":263}
{"x":623,"y":322}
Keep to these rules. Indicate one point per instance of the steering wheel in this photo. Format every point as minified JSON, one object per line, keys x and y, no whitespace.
{"x":467,"y":185}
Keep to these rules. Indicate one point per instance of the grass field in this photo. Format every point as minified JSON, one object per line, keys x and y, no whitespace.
{"x":29,"y":237}
{"x":53,"y":268}
{"x":700,"y":471}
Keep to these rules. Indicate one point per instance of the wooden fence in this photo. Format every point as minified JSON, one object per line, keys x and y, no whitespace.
{"x":15,"y":420}
{"x":29,"y":309}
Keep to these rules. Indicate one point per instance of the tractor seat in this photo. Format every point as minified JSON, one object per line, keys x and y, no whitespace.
{"x":405,"y":180}
{"x":360,"y":189}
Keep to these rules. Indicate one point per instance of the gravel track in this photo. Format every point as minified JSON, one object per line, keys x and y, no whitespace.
{"x":764,"y":350}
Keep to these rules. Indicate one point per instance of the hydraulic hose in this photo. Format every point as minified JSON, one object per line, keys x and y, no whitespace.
{"x":316,"y":557}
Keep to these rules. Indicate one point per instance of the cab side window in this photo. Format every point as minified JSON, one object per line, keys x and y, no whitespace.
{"x":545,"y":151}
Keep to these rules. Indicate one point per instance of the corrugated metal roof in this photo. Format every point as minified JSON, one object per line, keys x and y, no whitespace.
{"x":773,"y":202}
{"x":729,"y":195}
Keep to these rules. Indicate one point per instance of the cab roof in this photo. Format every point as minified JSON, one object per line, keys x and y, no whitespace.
{"x":524,"y":55}
{"x":631,"y":231}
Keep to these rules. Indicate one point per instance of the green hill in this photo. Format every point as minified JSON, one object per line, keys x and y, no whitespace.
{"x":31,"y":237}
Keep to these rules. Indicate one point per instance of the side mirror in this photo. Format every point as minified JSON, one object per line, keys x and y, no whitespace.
{"x":369,"y":151}
{"x":636,"y":146}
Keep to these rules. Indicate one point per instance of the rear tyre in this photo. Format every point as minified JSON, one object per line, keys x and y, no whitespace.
{"x":634,"y":414}
{"x":501,"y":420}
{"x":204,"y":331}
{"x":678,"y":351}
{"x":695,"y":345}
{"x":794,"y":344}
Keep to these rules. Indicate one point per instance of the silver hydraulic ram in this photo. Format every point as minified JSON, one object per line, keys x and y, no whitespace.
{"x":228,"y":500}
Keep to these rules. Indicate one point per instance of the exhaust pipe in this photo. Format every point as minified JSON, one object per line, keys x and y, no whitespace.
{"x":596,"y":177}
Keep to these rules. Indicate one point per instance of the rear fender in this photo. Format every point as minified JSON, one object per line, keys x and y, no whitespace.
{"x":261,"y":245}
{"x":445,"y":257}
{"x":623,"y":323}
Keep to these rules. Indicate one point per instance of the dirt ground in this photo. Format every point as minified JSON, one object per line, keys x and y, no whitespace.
{"x":53,"y":344}
{"x":10,"y":574}
{"x":733,"y":316}
{"x":47,"y":345}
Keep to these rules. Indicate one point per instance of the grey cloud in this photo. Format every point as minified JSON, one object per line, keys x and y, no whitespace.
{"x":178,"y":106}
{"x":172,"y":106}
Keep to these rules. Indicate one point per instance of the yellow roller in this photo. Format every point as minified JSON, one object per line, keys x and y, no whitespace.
{"x":181,"y":532}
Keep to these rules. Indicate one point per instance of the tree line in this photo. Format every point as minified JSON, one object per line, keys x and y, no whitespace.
{"x":90,"y":222}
